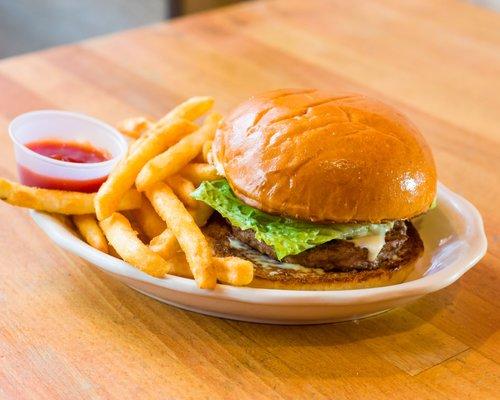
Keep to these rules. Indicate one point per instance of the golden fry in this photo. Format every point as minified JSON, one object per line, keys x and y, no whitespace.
{"x":180,"y":266}
{"x":113,"y":252}
{"x":198,"y":173}
{"x":64,"y":220}
{"x":134,"y":145}
{"x":89,"y":229}
{"x":124,"y":239}
{"x":183,"y":189}
{"x":231,"y":270}
{"x":165,"y":244}
{"x":176,"y":157}
{"x":204,"y":155}
{"x":148,"y":219}
{"x":60,"y":201}
{"x":123,"y":176}
{"x":135,"y":127}
{"x":205,"y":151}
{"x":191,"y":239}
{"x":199,"y":158}
{"x":135,"y":226}
{"x":190,"y":109}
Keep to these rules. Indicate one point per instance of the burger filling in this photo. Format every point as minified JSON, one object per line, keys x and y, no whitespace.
{"x":402,"y":244}
{"x":238,"y":228}
{"x":285,"y":236}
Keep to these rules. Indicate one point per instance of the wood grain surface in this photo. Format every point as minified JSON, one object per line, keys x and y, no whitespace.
{"x":68,"y":331}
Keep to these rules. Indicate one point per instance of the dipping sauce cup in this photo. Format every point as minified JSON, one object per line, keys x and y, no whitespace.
{"x":53,"y":126}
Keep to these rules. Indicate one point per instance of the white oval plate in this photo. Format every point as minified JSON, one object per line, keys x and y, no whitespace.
{"x":454,"y":241}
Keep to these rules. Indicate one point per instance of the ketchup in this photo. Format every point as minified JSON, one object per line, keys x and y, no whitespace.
{"x":73,"y":152}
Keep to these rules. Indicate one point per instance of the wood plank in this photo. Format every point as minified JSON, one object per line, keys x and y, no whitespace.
{"x":466,"y":376}
{"x":26,"y":99}
{"x":404,"y":340}
{"x":61,"y":86}
{"x":94,"y":70}
{"x":69,"y":331}
{"x":39,"y":342}
{"x":322,"y":356}
{"x":456,"y":310}
{"x":7,"y":160}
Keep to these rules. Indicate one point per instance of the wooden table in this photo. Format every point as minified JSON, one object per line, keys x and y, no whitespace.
{"x":68,"y":331}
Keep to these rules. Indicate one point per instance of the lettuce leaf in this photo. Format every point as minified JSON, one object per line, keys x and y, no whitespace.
{"x":285,"y":235}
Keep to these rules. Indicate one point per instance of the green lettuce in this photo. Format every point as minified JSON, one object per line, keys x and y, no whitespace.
{"x":285,"y":235}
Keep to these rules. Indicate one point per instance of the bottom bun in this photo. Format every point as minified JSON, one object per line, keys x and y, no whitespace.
{"x":264,"y":278}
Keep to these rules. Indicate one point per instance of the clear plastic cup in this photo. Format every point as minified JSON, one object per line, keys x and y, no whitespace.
{"x":66,"y":127}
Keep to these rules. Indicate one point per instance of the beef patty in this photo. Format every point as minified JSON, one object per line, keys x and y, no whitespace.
{"x":402,"y":244}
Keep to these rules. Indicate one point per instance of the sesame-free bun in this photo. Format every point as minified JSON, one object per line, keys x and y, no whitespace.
{"x":331,"y":280}
{"x":326,"y":157}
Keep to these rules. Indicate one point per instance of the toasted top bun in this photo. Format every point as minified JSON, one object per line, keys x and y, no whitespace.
{"x":325,"y":157}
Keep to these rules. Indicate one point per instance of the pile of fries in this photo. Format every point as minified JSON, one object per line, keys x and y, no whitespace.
{"x":143,"y":213}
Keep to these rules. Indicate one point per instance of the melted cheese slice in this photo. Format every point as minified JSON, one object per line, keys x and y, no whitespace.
{"x":372,"y":243}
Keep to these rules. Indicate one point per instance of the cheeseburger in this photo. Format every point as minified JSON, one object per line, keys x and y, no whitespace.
{"x":319,"y":190}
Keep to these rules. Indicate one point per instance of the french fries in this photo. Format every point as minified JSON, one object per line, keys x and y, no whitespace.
{"x":199,"y":172}
{"x":231,"y":270}
{"x":176,"y":157}
{"x":60,"y":201}
{"x":199,"y":158}
{"x":183,"y":189}
{"x":164,"y":134}
{"x":113,"y":252}
{"x":65,"y":220}
{"x":165,"y":244}
{"x":89,"y":229}
{"x":205,"y":151}
{"x":124,"y":240}
{"x":135,"y":127}
{"x":180,"y":266}
{"x":191,"y":109}
{"x":148,"y":220}
{"x":204,"y":155}
{"x":166,"y":162}
{"x":190,"y":238}
{"x":123,"y":176}
{"x":135,"y":226}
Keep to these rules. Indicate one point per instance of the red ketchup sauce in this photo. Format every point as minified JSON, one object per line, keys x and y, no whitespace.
{"x":73,"y":152}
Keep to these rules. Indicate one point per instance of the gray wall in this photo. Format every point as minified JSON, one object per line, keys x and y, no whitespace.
{"x":28,"y":25}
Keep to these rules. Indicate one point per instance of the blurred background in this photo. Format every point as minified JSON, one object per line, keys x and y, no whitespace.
{"x":30,"y":25}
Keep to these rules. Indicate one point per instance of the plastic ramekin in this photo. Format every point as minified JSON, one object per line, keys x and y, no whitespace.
{"x":65,"y":126}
